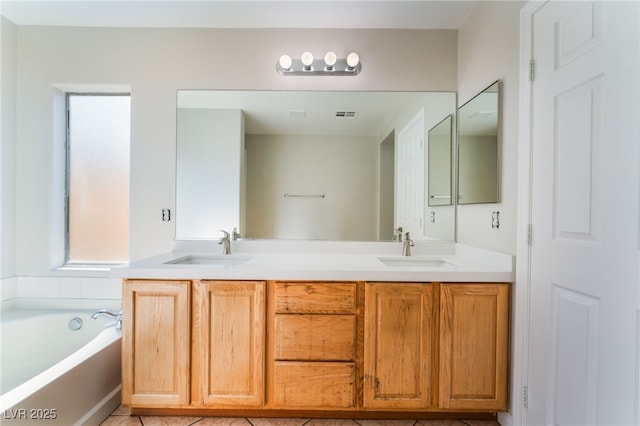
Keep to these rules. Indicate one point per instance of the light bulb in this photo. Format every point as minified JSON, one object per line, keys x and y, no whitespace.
{"x":307,"y":59}
{"x":285,"y":62}
{"x":353,"y":59}
{"x":330,"y":59}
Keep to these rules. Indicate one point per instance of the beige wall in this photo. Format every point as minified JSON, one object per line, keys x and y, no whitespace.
{"x":488,"y":50}
{"x":344,"y":169}
{"x":154,"y":64}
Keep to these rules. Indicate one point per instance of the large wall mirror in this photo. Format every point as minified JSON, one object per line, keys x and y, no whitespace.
{"x":479,"y":148}
{"x":302,"y":164}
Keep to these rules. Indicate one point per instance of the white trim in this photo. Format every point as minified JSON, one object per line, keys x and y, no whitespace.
{"x":522,"y":289}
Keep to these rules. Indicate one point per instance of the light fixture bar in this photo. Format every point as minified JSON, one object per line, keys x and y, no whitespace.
{"x":334,"y":66}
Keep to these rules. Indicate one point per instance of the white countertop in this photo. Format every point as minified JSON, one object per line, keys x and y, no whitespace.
{"x":324,"y":260}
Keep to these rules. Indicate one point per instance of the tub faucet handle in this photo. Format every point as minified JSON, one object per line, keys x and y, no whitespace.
{"x":104,"y":313}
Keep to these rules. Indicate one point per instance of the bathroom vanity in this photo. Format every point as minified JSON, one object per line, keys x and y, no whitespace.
{"x":349,"y":334}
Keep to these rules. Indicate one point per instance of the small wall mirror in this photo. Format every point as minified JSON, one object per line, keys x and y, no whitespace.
{"x":440,"y":163}
{"x":479,"y":148}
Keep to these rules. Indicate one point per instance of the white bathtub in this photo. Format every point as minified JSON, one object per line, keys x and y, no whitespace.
{"x":50,"y":374}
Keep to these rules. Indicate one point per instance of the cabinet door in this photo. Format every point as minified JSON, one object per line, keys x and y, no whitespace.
{"x":155,"y":343}
{"x":474,"y":346}
{"x":230,"y":341}
{"x":399,"y":327}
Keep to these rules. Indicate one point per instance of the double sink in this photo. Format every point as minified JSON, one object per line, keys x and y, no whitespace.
{"x":230,"y":261}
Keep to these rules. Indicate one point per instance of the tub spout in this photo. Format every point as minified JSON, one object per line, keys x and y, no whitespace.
{"x":104,"y":313}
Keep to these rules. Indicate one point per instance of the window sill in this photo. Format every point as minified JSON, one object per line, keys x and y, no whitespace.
{"x":96,"y":268}
{"x":86,"y":270}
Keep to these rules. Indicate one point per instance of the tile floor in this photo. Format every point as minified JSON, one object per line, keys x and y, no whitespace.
{"x":123,"y":417}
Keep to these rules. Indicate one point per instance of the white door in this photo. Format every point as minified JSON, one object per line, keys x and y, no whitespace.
{"x":410,"y":171}
{"x":585,"y":187}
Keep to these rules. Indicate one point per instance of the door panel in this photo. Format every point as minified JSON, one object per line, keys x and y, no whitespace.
{"x":231,"y":340}
{"x":399,"y":328}
{"x":584,"y":197}
{"x":155,"y":343}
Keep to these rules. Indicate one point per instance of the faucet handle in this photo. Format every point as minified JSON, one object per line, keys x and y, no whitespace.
{"x":407,"y":238}
{"x":225,"y":233}
{"x":397,"y":234}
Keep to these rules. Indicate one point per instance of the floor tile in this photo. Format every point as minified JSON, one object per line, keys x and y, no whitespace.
{"x":277,"y":422}
{"x":331,"y":422}
{"x":168,"y":420}
{"x":446,"y":422}
{"x":122,"y":411}
{"x":223,"y":421}
{"x":121,"y":421}
{"x":481,"y":422}
{"x":386,"y":422}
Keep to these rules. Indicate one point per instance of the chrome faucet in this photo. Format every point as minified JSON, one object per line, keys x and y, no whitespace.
{"x":104,"y":313}
{"x":226,"y":242}
{"x":397,"y":234}
{"x":407,"y":244}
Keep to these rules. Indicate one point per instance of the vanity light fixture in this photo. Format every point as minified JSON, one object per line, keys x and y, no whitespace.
{"x":330,"y":59}
{"x":353,"y":60}
{"x":285,"y":62}
{"x":330,"y":64}
{"x":307,"y":61}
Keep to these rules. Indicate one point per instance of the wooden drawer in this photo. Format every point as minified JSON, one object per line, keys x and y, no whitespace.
{"x":315,"y":337}
{"x":314,"y":384}
{"x":311,"y":297}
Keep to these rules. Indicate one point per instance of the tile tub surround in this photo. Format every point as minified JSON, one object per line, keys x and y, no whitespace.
{"x":122,"y":417}
{"x":326,"y":260}
{"x":61,"y":288}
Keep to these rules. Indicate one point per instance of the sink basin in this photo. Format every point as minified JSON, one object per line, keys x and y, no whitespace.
{"x":213,"y":260}
{"x":415,"y":262}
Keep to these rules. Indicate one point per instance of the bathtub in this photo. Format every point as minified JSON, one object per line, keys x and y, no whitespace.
{"x":57,"y":365}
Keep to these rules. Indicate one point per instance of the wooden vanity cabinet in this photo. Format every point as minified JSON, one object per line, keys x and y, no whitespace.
{"x":228,"y":344}
{"x":399,"y":332}
{"x":313,"y":348}
{"x":155,"y":343}
{"x":474,"y":336}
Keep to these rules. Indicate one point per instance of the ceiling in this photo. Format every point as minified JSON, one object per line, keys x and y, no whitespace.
{"x":357,"y":14}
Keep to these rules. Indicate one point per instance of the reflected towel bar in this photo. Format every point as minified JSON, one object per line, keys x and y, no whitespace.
{"x":303,"y":196}
{"x":440,"y":196}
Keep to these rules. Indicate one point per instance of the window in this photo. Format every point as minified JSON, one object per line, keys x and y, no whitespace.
{"x":97,"y":183}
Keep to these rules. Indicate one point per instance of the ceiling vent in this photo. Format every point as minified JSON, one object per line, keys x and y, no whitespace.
{"x":345,"y":114}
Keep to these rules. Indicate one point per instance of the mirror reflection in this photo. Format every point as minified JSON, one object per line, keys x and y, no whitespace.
{"x":479,"y":148}
{"x":303,"y":164}
{"x":440,"y":183}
